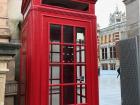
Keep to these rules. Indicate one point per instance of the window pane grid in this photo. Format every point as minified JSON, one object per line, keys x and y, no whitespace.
{"x":112,"y":52}
{"x":55,"y":53}
{"x":81,"y":94}
{"x":80,"y":54}
{"x":65,"y":57}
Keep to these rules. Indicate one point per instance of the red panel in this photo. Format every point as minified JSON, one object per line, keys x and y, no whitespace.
{"x":26,"y":3}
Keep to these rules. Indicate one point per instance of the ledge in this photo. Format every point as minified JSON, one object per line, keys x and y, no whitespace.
{"x":3,"y":71}
{"x":9,"y":49}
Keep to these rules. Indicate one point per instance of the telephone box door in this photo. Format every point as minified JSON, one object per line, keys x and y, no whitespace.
{"x":68,"y":68}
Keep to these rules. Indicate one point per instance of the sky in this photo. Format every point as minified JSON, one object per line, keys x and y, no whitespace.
{"x":104,"y":8}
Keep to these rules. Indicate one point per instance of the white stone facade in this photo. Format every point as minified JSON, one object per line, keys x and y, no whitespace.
{"x":3,"y":70}
{"x":4,"y":38}
{"x":108,"y":37}
{"x":4,"y":29}
{"x":14,"y":17}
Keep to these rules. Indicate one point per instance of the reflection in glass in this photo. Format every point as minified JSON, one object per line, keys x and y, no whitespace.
{"x":68,"y":54}
{"x":80,"y":35}
{"x":81,"y":94}
{"x":54,"y":95}
{"x":80,"y":53}
{"x":55,"y":53}
{"x":68,"y":34}
{"x":55,"y":33}
{"x":68,"y":74}
{"x":54,"y":75}
{"x":81,"y":76}
{"x":68,"y":95}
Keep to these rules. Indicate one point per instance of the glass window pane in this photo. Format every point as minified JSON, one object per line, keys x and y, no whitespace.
{"x":55,"y":53}
{"x":68,"y":75}
{"x":81,"y":94}
{"x":55,"y":57}
{"x":54,"y":75}
{"x":55,"y":33}
{"x":54,"y":95}
{"x":68,"y":34}
{"x":55,"y":99}
{"x":54,"y":90}
{"x":55,"y":48}
{"x":68,"y":95}
{"x":80,"y":35}
{"x":81,"y":75}
{"x":68,"y":54}
{"x":80,"y":51}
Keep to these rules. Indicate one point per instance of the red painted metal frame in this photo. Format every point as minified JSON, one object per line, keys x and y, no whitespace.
{"x":34,"y":87}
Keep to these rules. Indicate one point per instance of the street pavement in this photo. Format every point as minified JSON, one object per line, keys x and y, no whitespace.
{"x":109,"y":88}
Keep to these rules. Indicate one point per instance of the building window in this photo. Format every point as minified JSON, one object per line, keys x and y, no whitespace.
{"x":112,"y":52}
{"x":112,"y":66}
{"x":118,"y":20}
{"x":109,"y":38}
{"x":113,"y":38}
{"x":102,"y":40}
{"x":104,"y":67}
{"x":104,"y":53}
{"x":111,"y":56}
{"x":105,"y":39}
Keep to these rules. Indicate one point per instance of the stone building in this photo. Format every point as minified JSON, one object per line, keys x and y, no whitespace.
{"x":108,"y":37}
{"x":133,"y":17}
{"x":9,"y":20}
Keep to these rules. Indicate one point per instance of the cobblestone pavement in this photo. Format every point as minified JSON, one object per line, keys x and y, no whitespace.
{"x":109,"y":88}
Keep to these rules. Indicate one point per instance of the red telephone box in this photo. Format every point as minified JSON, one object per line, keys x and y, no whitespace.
{"x":58,"y":53}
